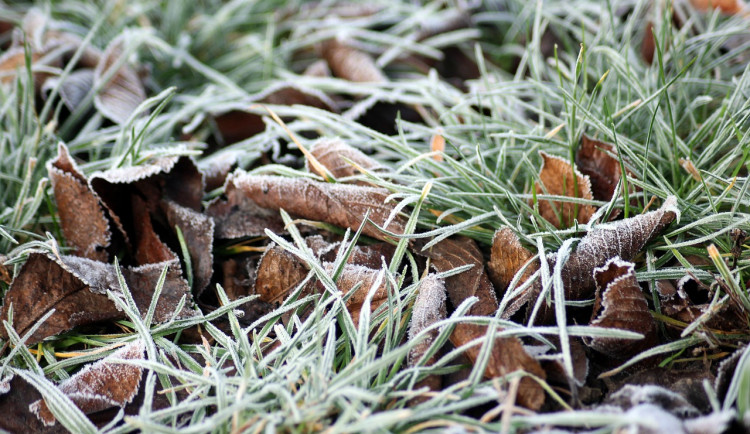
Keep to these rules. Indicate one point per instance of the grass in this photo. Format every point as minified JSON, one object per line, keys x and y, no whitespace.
{"x":208,"y":57}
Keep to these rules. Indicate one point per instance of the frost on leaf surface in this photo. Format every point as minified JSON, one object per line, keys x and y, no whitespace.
{"x":100,"y":385}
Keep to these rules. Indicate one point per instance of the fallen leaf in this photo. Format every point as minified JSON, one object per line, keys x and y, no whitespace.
{"x":350,"y":63}
{"x":336,"y":155}
{"x":507,"y":257}
{"x":648,"y":46}
{"x":77,"y":289}
{"x":16,"y":394}
{"x":623,"y":238}
{"x":687,"y":383}
{"x":507,"y":354}
{"x":237,"y":216}
{"x":73,"y":89}
{"x":555,"y":368}
{"x":437,"y":144}
{"x":620,"y":304}
{"x":278,"y":273}
{"x":101,"y":385}
{"x":82,"y":218}
{"x":429,"y":308}
{"x":729,"y":7}
{"x":338,"y":204}
{"x":198,"y":232}
{"x":593,"y":159}
{"x":557,"y":178}
{"x":121,"y":90}
{"x":149,"y":248}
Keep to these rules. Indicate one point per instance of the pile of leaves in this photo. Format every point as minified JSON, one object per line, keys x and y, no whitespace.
{"x":311,"y":275}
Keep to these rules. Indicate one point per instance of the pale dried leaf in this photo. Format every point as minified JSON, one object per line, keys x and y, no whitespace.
{"x":429,"y":308}
{"x":121,"y":94}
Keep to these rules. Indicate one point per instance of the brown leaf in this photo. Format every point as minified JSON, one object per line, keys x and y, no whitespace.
{"x":121,"y":94}
{"x":623,"y":238}
{"x":82,"y":219}
{"x":429,"y":308}
{"x":620,"y":304}
{"x":13,"y":61}
{"x":338,"y":204}
{"x":216,"y":167}
{"x":557,"y":177}
{"x":335,"y":155}
{"x":508,"y":354}
{"x":16,"y":394}
{"x":350,"y":63}
{"x":729,"y":7}
{"x":198,"y":232}
{"x":648,"y":46}
{"x":77,"y":289}
{"x":149,"y":248}
{"x":101,"y":385}
{"x":239,"y":216}
{"x":278,"y":273}
{"x":593,"y":159}
{"x":555,"y":369}
{"x":507,"y":257}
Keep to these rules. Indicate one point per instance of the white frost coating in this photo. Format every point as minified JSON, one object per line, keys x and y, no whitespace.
{"x":5,"y":384}
{"x":98,"y":276}
{"x":126,"y":175}
{"x":89,"y":387}
{"x":429,"y":306}
{"x":218,"y":163}
{"x":100,"y":374}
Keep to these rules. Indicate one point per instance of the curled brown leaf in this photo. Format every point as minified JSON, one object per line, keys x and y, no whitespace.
{"x":507,"y":257}
{"x":620,"y":304}
{"x":429,"y":308}
{"x":593,"y":159}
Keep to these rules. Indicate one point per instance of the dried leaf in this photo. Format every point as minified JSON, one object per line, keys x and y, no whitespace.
{"x":350,"y":63}
{"x":334,"y":153}
{"x":593,"y":159}
{"x":555,"y":368}
{"x":558,"y":178}
{"x":216,"y":167}
{"x":623,"y":238}
{"x":687,"y":383}
{"x":429,"y":308}
{"x":149,"y":248}
{"x":198,"y":232}
{"x":14,"y":61}
{"x":338,"y":204}
{"x":729,"y":7}
{"x":620,"y":304}
{"x":101,"y":385}
{"x":73,"y":89}
{"x":508,"y":354}
{"x":353,"y":275}
{"x":278,"y":273}
{"x":77,"y":289}
{"x":121,"y":90}
{"x":507,"y":257}
{"x":238,"y":216}
{"x":82,"y":218}
{"x":15,"y":397}
{"x":648,"y":46}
